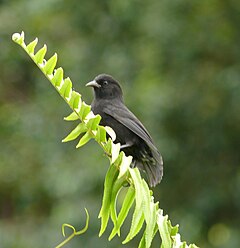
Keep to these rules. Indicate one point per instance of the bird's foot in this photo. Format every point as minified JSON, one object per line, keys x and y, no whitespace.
{"x":126,"y":145}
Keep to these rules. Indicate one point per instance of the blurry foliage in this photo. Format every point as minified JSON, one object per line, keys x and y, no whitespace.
{"x":181,"y":57}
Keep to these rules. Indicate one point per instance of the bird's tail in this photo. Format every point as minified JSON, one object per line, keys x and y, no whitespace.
{"x":153,"y":167}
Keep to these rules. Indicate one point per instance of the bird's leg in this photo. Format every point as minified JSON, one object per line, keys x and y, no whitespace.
{"x":133,"y":164}
{"x":129,"y":144}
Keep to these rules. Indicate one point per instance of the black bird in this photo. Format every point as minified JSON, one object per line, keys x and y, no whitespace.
{"x":130,"y":132}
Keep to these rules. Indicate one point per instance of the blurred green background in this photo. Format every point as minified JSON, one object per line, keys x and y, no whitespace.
{"x":178,"y":62}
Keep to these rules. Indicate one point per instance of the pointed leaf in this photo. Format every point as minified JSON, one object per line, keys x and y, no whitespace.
{"x":101,"y":134}
{"x":137,"y":181}
{"x":174,"y":229}
{"x":125,"y":164}
{"x":66,"y":87}
{"x":57,"y":77}
{"x":80,"y":128}
{"x":93,"y":122}
{"x":137,"y":223}
{"x":115,"y":190}
{"x":142,"y":243}
{"x":75,"y":100}
{"x":50,"y":65}
{"x":84,"y":110}
{"x":151,"y":225}
{"x":146,"y":202}
{"x":39,"y":56}
{"x":111,"y":132}
{"x":115,"y":152}
{"x":127,"y":203}
{"x":163,"y":229}
{"x":31,"y":46}
{"x":85,"y":138}
{"x":22,"y":37}
{"x":111,"y":176}
{"x":72,"y":117}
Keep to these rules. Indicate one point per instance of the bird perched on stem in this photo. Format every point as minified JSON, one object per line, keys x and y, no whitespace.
{"x":130,"y":132}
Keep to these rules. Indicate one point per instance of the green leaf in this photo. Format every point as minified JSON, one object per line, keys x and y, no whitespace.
{"x":125,"y":164}
{"x":137,"y":223}
{"x":162,"y":222}
{"x":80,"y":128}
{"x":31,"y":46}
{"x":75,"y":100}
{"x":127,"y":203}
{"x":72,"y":117}
{"x":85,"y":138}
{"x":66,"y":88}
{"x":115,"y":151}
{"x":110,"y":132}
{"x":174,"y":229}
{"x":150,"y":226}
{"x":193,"y":246}
{"x":138,"y":215}
{"x":39,"y":56}
{"x":115,"y":190}
{"x":108,"y":146}
{"x":146,"y":202}
{"x":111,"y":176}
{"x":57,"y":77}
{"x":84,"y":110}
{"x":137,"y":180}
{"x":50,"y":65}
{"x":142,"y":243}
{"x":101,"y":134}
{"x":19,"y":38}
{"x":93,"y":122}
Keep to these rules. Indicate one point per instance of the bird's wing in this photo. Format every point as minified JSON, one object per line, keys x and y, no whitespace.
{"x":123,"y":115}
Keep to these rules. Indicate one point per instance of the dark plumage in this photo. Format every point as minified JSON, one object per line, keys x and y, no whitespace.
{"x":131,"y":134}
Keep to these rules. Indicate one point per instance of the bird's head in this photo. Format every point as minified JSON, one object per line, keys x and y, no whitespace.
{"x":106,"y":87}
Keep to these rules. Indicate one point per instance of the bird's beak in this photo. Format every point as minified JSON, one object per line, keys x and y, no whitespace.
{"x":93,"y":84}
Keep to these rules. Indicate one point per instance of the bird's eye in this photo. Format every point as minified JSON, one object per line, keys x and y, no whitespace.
{"x":105,"y":82}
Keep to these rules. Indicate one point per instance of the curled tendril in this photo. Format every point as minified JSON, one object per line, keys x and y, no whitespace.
{"x":74,"y":233}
